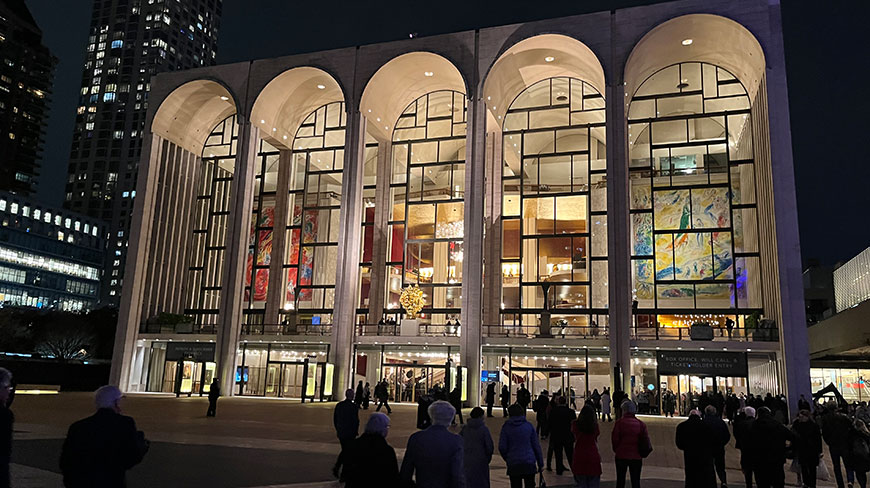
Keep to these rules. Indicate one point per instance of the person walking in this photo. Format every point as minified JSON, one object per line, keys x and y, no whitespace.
{"x":524,"y":398}
{"x":358,"y":395}
{"x":596,"y":401}
{"x":345,"y":418}
{"x":628,"y":434}
{"x":835,"y":427}
{"x":456,"y":402}
{"x":505,"y":400}
{"x":382,"y":396}
{"x":561,"y":439}
{"x":520,"y":448}
{"x":214,"y":392}
{"x":720,"y":438}
{"x":586,"y":462}
{"x":369,"y":460}
{"x":490,"y":398}
{"x":696,"y":438}
{"x":435,"y":456}
{"x":669,"y":403}
{"x":768,"y":438}
{"x":540,"y":409}
{"x":857,"y":455}
{"x":605,"y":405}
{"x":7,"y":419}
{"x":99,"y":449}
{"x":742,"y":427}
{"x":478,"y":448}
{"x":807,"y":446}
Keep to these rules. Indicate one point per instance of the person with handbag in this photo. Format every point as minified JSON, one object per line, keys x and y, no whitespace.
{"x":807,"y":447}
{"x":631,"y":443}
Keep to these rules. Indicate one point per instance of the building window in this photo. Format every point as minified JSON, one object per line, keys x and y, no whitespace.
{"x":694,"y":231}
{"x":426,"y":224}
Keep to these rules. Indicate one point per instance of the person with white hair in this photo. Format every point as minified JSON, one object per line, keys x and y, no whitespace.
{"x":99,"y":450}
{"x":743,"y":423}
{"x":6,"y":422}
{"x":369,"y":460}
{"x":435,"y":455}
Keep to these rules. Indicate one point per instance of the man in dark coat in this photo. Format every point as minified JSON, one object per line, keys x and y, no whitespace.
{"x":807,"y":446}
{"x":6,"y":421}
{"x":560,"y":419}
{"x":382,"y":395}
{"x":345,"y":418}
{"x":456,"y":401}
{"x":768,"y":438}
{"x":214,"y":392}
{"x":694,"y":439}
{"x":540,"y":409}
{"x":523,"y":396}
{"x":100,"y":449}
{"x":743,"y":423}
{"x":435,"y":456}
{"x":720,"y":439}
{"x":835,"y":431}
{"x":490,"y":398}
{"x":505,"y":400}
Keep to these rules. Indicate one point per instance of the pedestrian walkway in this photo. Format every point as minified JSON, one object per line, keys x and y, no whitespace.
{"x":274,"y":444}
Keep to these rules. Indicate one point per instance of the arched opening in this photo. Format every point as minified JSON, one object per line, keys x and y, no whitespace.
{"x":695,"y":246}
{"x":187,"y":116}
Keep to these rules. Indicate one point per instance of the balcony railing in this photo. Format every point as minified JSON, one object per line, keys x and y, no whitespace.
{"x":425,"y":330}
{"x":688,"y":333}
{"x":186,"y":328}
{"x":566,"y":332}
{"x":287,"y":329}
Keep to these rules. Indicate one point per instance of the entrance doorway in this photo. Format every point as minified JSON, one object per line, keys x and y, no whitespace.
{"x":188,"y":377}
{"x":407,"y":382}
{"x":553,"y":380}
{"x":688,"y":388}
{"x":286,"y":379}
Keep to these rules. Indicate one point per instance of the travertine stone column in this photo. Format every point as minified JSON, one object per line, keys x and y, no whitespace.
{"x":472,"y":266}
{"x":349,"y":235}
{"x":618,"y":250}
{"x":233,"y":282}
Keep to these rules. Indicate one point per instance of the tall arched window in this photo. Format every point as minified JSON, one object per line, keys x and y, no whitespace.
{"x":694,"y":231}
{"x":426,"y":224}
{"x":314,"y":203}
{"x":554,"y":209}
{"x":209,"y":233}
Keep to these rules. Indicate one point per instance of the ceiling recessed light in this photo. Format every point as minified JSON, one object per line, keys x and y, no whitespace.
{"x":321,"y":87}
{"x":262,"y":121}
{"x":687,"y":42}
{"x":379,"y":119}
{"x":225,"y":98}
{"x":428,"y":73}
{"x":549,"y":59}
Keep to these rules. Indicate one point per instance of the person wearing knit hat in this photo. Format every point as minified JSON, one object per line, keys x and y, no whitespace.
{"x":435,"y":457}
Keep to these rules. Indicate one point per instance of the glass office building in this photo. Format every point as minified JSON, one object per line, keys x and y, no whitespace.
{"x":577,"y":204}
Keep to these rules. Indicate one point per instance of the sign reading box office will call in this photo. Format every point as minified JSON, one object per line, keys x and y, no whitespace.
{"x":702,"y":363}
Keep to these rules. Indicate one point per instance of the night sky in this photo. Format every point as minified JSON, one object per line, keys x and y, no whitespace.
{"x":825,"y":43}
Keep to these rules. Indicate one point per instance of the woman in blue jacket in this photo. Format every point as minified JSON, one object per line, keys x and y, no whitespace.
{"x":519,"y":446}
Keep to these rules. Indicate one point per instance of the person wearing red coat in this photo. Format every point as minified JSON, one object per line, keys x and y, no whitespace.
{"x":586,"y":464}
{"x":626,"y":435}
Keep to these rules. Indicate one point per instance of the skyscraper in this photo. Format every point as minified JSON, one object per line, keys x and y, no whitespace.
{"x":26,"y":71}
{"x":130,"y":41}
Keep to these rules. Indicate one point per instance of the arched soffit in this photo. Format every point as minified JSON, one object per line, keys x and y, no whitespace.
{"x":697,"y":37}
{"x":402,"y":80}
{"x":538,"y":58}
{"x":288,"y":99}
{"x":188,"y":115}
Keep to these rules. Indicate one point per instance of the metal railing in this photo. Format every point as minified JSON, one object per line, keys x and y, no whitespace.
{"x":287,"y":329}
{"x":185,"y":328}
{"x":530,"y":331}
{"x":425,"y":330}
{"x":684,"y":333}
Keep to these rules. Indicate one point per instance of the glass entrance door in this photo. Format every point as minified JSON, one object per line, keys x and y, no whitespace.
{"x":291,"y":380}
{"x":407,"y":383}
{"x":552,"y":380}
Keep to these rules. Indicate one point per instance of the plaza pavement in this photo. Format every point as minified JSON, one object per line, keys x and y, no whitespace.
{"x":259,"y":443}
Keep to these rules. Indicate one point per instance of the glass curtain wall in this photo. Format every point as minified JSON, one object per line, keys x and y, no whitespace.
{"x":694,"y":231}
{"x":212,"y":207}
{"x":313,"y":215}
{"x":426,"y":223}
{"x":554,"y":211}
{"x":261,"y":234}
{"x":370,"y":175}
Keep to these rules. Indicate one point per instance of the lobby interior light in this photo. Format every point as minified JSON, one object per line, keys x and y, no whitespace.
{"x":428,"y":74}
{"x":687,"y":42}
{"x":549,"y":59}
